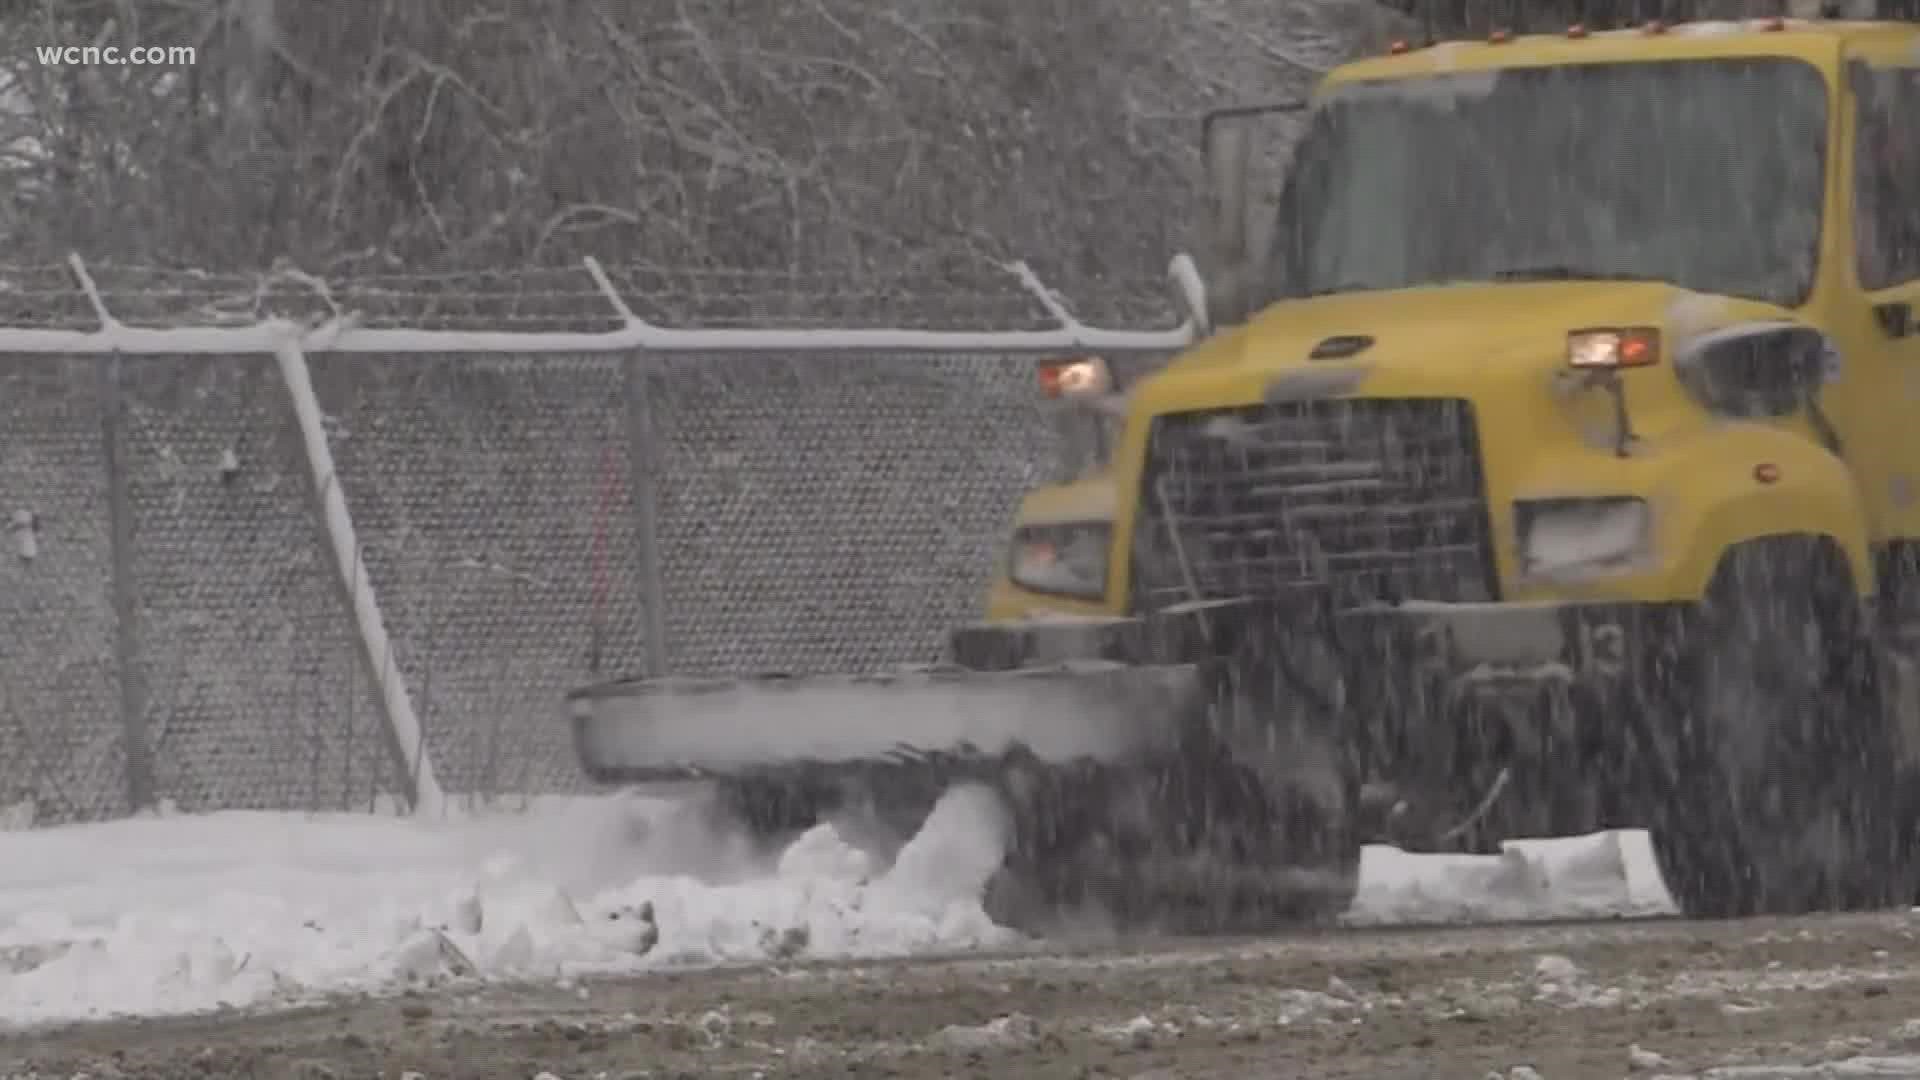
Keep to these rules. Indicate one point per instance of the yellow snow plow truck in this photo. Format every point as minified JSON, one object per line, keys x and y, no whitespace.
{"x":1548,"y":460}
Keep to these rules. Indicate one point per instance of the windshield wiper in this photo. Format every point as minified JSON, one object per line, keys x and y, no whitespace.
{"x":1552,"y":272}
{"x":1545,"y":272}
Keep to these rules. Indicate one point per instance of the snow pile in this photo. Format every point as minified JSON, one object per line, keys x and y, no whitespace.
{"x":1594,"y":876}
{"x":168,"y":915}
{"x":1000,"y":1033}
{"x":181,"y":914}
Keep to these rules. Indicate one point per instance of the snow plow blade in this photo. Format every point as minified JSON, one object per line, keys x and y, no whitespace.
{"x":1142,"y":777}
{"x":647,"y":730}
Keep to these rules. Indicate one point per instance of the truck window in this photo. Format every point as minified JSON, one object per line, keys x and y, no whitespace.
{"x":1886,"y":216}
{"x":1656,"y":170}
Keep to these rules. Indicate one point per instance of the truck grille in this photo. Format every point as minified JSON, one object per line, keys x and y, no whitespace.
{"x":1375,"y":500}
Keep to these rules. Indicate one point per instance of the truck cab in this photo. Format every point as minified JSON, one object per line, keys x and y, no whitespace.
{"x":1743,"y":183}
{"x":1554,"y":369}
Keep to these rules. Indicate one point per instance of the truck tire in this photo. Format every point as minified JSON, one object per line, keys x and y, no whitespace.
{"x":1247,"y":825}
{"x":1198,"y":845}
{"x":1780,"y":789}
{"x":1300,"y":828}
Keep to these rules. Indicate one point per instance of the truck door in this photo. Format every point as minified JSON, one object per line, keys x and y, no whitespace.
{"x":1879,"y":384}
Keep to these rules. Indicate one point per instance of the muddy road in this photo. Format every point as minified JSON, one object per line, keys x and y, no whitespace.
{"x":1811,"y":997}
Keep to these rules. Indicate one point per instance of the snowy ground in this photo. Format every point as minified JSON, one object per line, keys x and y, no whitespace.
{"x":185,"y":914}
{"x":1762,"y":999}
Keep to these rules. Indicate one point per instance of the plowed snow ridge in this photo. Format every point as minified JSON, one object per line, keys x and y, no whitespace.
{"x":187,"y":913}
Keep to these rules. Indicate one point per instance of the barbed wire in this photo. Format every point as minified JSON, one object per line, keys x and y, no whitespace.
{"x":47,"y":296}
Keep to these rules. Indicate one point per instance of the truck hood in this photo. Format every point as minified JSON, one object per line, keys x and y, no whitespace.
{"x":1444,"y":333}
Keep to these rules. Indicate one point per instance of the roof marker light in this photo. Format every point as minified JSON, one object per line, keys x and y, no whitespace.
{"x":1612,"y":349}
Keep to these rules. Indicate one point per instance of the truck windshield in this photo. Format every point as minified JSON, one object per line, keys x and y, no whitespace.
{"x":1704,"y":173}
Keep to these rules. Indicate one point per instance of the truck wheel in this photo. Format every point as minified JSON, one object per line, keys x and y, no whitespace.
{"x":1246,"y":826}
{"x":1781,"y":798}
{"x":1292,"y":803}
{"x":1250,"y":825}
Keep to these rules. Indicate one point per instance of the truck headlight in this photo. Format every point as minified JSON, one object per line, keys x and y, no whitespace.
{"x":1582,"y":537}
{"x":1067,"y":560}
{"x":1080,"y":377}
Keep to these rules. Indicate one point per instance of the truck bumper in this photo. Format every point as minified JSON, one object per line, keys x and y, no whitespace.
{"x":1482,"y":649}
{"x":1489,"y":651}
{"x":1433,"y":706}
{"x":1497,"y":716}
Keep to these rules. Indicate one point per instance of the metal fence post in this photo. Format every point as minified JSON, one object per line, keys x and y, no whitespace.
{"x":643,"y":453}
{"x":405,"y":731}
{"x":126,"y":597}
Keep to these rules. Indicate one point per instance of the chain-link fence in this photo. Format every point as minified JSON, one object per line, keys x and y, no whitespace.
{"x":834,"y":513}
{"x":169,"y":594}
{"x":60,"y":739}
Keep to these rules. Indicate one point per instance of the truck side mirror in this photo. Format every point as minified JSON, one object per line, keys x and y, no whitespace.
{"x":1233,"y":250}
{"x":1757,"y":371}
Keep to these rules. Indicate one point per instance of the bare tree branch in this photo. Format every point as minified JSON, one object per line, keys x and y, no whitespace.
{"x":832,"y":136}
